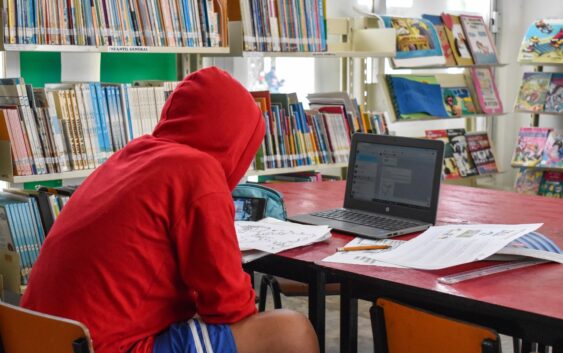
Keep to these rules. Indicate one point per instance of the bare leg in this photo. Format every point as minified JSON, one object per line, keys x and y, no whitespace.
{"x":278,"y":331}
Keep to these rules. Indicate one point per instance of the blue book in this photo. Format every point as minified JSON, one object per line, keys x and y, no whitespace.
{"x":281,"y":142}
{"x":120,"y":117}
{"x":19,"y":238}
{"x":99,"y":120}
{"x":31,"y":233}
{"x":14,"y":229}
{"x":37,"y":217}
{"x":413,"y":97}
{"x":127,"y":110}
{"x":104,"y":109}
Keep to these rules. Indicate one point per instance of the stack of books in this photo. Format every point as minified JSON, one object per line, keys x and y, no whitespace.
{"x":417,"y":97}
{"x":64,"y":127}
{"x":445,"y":40}
{"x":321,"y":135}
{"x":284,"y":25}
{"x":158,"y":23}
{"x":465,"y":154}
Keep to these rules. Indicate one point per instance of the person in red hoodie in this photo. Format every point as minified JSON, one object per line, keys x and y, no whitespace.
{"x":145,"y":252}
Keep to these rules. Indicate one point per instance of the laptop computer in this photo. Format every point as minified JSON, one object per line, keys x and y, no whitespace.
{"x":392,"y":187}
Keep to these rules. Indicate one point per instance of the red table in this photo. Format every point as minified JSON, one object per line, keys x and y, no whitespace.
{"x":525,"y":303}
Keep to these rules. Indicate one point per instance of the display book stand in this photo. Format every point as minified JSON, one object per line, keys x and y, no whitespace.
{"x":383,"y":93}
{"x":347,"y":37}
{"x":541,"y":47}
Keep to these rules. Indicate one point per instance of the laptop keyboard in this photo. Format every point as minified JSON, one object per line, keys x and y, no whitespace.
{"x":365,"y":219}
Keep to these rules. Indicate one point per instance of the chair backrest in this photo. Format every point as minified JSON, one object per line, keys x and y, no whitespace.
{"x":27,"y":331}
{"x":399,"y":328}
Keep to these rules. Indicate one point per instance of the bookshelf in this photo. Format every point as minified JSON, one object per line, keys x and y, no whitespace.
{"x":540,"y":50}
{"x":304,"y":168}
{"x":113,"y":49}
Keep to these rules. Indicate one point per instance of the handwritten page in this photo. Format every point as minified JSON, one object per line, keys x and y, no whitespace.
{"x":274,"y":236}
{"x":364,"y":257}
{"x":452,"y":245}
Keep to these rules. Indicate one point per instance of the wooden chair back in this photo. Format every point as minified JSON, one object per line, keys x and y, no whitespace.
{"x":399,"y":328}
{"x":27,"y":331}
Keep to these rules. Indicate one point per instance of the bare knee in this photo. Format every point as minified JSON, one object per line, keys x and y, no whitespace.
{"x":275,"y":331}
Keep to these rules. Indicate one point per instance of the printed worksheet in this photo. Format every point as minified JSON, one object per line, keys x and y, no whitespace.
{"x":364,"y":257}
{"x":452,"y":245}
{"x":273,"y":236}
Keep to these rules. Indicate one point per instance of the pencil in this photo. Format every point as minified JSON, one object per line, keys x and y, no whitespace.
{"x":363,"y":247}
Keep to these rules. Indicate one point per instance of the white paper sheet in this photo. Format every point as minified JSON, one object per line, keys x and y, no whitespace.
{"x":452,"y":245}
{"x":364,"y":257}
{"x":274,"y":236}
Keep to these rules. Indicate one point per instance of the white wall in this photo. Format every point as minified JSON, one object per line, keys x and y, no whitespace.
{"x":516,"y":16}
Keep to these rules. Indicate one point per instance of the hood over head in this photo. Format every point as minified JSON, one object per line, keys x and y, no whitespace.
{"x":212,"y":112}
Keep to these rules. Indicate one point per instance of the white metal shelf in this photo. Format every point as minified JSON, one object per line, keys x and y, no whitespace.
{"x":75,"y":174}
{"x":302,"y":168}
{"x":113,"y":49}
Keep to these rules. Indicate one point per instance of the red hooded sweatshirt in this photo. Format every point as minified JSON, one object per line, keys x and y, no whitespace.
{"x":148,"y":239}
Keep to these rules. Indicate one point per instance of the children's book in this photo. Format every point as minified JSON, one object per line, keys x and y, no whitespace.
{"x":554,"y":97}
{"x":552,"y":156}
{"x":479,"y":39}
{"x":458,"y":101}
{"x":417,"y":42}
{"x":531,"y":142}
{"x":416,"y":97}
{"x":481,"y":151}
{"x":543,"y":42}
{"x":457,"y":39}
{"x":462,"y":157}
{"x":533,"y":91}
{"x":486,"y":90}
{"x":528,"y":181}
{"x":450,"y":170}
{"x":446,"y":49}
{"x":552,"y":185}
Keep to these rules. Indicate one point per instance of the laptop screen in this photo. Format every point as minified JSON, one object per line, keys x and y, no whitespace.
{"x":393,"y":174}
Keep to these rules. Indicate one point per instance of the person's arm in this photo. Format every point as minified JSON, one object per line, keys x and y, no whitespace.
{"x":209,"y":260}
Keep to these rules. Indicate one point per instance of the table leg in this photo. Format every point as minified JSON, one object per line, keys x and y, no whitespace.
{"x":348,"y":320}
{"x":317,"y":301}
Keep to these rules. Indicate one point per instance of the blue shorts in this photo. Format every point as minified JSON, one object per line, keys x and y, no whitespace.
{"x":194,"y":336}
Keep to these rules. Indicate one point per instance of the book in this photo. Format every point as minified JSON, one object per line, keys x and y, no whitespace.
{"x":458,"y":101}
{"x":542,"y":43}
{"x":415,"y":97}
{"x":481,"y":151}
{"x":530,"y":145}
{"x":552,"y":156}
{"x":533,"y":91}
{"x":551,"y":185}
{"x":417,"y":42}
{"x":479,"y":39}
{"x":457,"y":39}
{"x":446,"y":48}
{"x":486,"y":91}
{"x":450,"y":170}
{"x":528,"y":181}
{"x":462,"y":157}
{"x":554,"y":96}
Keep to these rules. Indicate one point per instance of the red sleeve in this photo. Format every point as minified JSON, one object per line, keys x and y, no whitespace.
{"x":210,"y":260}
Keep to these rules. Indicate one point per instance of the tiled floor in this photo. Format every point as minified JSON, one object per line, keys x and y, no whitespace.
{"x":365,"y":342}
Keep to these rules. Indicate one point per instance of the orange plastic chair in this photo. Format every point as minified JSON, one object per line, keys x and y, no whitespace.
{"x":27,"y":331}
{"x":399,"y":328}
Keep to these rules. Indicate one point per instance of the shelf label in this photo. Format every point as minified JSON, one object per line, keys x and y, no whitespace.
{"x":119,"y":49}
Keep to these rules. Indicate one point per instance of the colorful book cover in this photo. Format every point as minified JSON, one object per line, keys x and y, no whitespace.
{"x":450,"y":170}
{"x":552,"y":156}
{"x":543,"y":42}
{"x":528,"y":181}
{"x":479,"y":39}
{"x":416,"y":97}
{"x":417,"y":42}
{"x":462,"y":157}
{"x":552,"y":185}
{"x":458,"y":101}
{"x":486,"y":90}
{"x":554,"y":97}
{"x":533,"y":91}
{"x":530,"y":145}
{"x":481,"y":152}
{"x":446,"y":49}
{"x":457,"y":39}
